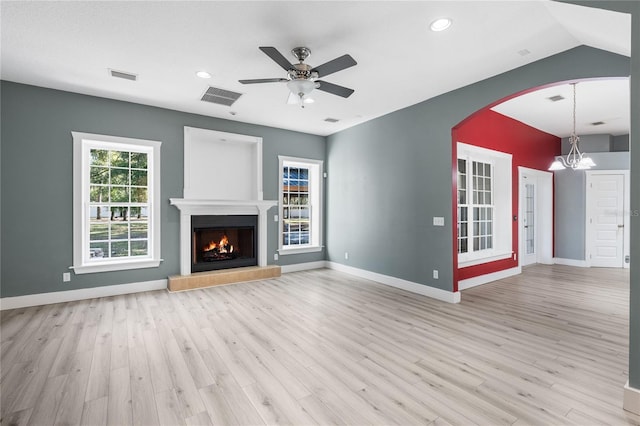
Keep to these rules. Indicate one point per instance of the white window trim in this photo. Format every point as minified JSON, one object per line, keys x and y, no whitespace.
{"x":81,"y":147}
{"x":502,"y":203}
{"x":316,"y":206}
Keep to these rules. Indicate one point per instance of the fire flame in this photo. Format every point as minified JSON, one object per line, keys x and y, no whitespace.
{"x":222,"y":246}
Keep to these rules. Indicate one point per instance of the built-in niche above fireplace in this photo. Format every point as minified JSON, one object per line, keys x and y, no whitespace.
{"x":222,"y":242}
{"x":222,"y":177}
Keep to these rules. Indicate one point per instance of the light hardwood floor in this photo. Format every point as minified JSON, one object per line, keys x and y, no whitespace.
{"x":321,"y":347}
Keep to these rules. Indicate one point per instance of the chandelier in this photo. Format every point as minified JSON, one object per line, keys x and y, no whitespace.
{"x":575,"y":159}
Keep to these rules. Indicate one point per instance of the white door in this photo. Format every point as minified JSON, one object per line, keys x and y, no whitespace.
{"x":605,"y":220}
{"x":528,"y":221}
{"x":535,"y":211}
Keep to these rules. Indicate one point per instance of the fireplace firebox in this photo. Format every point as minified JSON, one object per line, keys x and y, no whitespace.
{"x":222,"y":242}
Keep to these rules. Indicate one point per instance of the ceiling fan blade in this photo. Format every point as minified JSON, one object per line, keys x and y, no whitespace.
{"x":263,"y":80}
{"x":334,"y":89}
{"x":338,"y":64}
{"x":273,"y":53}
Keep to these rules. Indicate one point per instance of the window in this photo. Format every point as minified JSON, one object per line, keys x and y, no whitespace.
{"x":116,"y":195}
{"x":484,"y":205}
{"x":479,"y":185}
{"x":300,"y":205}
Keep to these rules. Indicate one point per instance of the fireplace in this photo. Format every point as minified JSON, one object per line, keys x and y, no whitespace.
{"x":223,"y":241}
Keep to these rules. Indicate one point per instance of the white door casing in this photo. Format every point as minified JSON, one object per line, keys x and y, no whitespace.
{"x":606,"y":236}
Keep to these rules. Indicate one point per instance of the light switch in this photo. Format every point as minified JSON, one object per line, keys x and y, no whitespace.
{"x":438,"y":221}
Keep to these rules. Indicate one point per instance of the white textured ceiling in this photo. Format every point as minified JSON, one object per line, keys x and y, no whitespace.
{"x":597,"y":101}
{"x":71,"y":45}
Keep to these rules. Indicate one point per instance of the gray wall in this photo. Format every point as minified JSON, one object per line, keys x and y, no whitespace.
{"x":620,"y":143}
{"x":599,"y":143}
{"x":570,"y":206}
{"x":37,"y":178}
{"x":390,"y":176}
{"x":589,"y":143}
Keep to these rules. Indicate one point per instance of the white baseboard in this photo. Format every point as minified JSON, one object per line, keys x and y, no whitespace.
{"x":487,"y":278}
{"x":570,"y":262}
{"x":79,"y":294}
{"x":425,"y":290}
{"x":631,"y":401}
{"x":303,"y":266}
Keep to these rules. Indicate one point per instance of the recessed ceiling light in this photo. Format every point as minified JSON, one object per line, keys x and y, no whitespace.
{"x":440,"y":24}
{"x":203,"y":74}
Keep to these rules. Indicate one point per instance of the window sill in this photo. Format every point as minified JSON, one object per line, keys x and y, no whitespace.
{"x":116,"y":266}
{"x":299,"y":250}
{"x":484,"y":259}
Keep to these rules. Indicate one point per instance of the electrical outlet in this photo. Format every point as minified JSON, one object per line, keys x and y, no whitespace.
{"x":66,"y":277}
{"x":275,"y":217}
{"x":346,"y":255}
{"x":275,"y":256}
{"x":435,"y":274}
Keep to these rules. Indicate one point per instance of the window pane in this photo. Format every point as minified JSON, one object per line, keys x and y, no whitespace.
{"x":138,"y":160}
{"x":304,"y":238}
{"x":119,"y":231}
{"x":119,"y":195}
{"x":119,"y":159}
{"x":462,"y":197}
{"x":99,"y":175}
{"x":139,"y":248}
{"x":119,"y":176}
{"x":119,"y":213}
{"x":99,"y":194}
{"x":98,"y":250}
{"x":139,"y":177}
{"x":99,"y":157}
{"x":120,"y":249}
{"x":139,"y":230}
{"x":462,"y":165}
{"x":99,"y":212}
{"x":138,"y":195}
{"x":98,"y":231}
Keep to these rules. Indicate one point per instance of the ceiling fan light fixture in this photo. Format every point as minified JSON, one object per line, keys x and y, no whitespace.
{"x":301,"y":87}
{"x":441,"y":24}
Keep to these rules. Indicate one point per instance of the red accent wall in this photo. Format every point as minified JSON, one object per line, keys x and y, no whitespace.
{"x":529,"y":147}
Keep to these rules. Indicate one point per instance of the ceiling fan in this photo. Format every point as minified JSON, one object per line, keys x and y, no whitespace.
{"x":302,"y":78}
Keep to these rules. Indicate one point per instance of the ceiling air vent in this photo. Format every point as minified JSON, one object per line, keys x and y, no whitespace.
{"x":331,"y":120}
{"x":123,"y":75}
{"x":556,"y":98}
{"x":220,"y":96}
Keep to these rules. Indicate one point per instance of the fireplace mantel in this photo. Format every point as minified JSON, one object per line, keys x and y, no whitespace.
{"x":191,"y":207}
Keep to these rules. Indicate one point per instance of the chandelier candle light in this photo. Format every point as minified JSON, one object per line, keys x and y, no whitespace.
{"x":574,"y":159}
